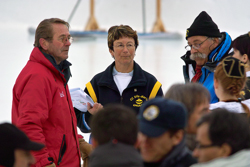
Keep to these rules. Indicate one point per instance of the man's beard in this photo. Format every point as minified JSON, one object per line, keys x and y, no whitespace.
{"x":198,"y":55}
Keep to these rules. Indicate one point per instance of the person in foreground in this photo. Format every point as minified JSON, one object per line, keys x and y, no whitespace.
{"x":161,"y":134}
{"x":223,"y":139}
{"x":206,"y":47}
{"x":114,"y":138}
{"x":241,"y":46}
{"x":124,"y":81}
{"x":16,"y":147}
{"x":229,"y":80}
{"x":42,"y":106}
{"x":197,"y":104}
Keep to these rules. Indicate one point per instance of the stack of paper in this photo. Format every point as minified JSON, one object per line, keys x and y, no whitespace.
{"x":80,"y":99}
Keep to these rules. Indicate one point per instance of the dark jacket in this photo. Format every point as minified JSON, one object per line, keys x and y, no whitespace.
{"x":102,"y":89}
{"x":215,"y":56}
{"x":180,"y":156}
{"x":115,"y":155}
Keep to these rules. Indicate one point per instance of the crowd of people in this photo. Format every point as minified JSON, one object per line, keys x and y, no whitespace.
{"x":202,"y":122}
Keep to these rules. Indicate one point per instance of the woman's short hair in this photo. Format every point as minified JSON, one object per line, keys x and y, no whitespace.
{"x":242,"y":44}
{"x":117,"y":32}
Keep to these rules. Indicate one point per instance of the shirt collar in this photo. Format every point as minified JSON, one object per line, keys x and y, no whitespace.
{"x":115,"y":72}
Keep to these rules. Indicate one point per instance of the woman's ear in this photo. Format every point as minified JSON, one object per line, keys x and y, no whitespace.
{"x":245,"y":58}
{"x":44,"y":44}
{"x":215,"y":84}
{"x":112,"y":53}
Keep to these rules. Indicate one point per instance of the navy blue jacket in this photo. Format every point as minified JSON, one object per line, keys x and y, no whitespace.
{"x":102,"y":89}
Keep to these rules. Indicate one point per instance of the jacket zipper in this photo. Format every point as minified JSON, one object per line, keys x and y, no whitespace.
{"x":62,"y":150}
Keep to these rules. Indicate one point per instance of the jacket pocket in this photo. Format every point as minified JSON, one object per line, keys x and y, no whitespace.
{"x":62,"y":150}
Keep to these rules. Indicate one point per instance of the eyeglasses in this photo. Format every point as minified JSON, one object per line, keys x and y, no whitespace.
{"x":65,"y":39}
{"x":195,"y":46}
{"x":200,"y":146}
{"x":121,"y":46}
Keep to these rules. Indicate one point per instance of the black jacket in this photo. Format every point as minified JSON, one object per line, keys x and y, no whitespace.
{"x":102,"y":89}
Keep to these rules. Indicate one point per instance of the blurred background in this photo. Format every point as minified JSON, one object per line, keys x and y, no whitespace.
{"x":90,"y":56}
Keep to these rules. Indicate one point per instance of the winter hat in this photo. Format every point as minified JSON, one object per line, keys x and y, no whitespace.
{"x":158,"y":115}
{"x":203,"y":25}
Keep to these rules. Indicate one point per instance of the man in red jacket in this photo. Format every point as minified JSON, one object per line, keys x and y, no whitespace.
{"x":42,"y":105}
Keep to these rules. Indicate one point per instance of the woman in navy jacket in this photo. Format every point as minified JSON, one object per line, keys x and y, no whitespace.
{"x":124,"y":81}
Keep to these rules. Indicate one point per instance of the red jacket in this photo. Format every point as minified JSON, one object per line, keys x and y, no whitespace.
{"x":42,"y":108}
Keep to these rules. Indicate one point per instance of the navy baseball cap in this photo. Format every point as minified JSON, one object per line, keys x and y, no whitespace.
{"x":158,"y":115}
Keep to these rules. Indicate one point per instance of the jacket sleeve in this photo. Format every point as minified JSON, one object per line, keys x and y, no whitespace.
{"x":35,"y":102}
{"x":160,"y":92}
{"x":83,"y":120}
{"x":156,"y":90}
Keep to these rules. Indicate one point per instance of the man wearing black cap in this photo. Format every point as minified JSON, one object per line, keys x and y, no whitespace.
{"x":161,"y":137}
{"x":206,"y":47}
{"x":15,"y":147}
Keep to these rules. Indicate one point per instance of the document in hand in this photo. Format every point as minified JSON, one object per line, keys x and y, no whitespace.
{"x":80,"y":99}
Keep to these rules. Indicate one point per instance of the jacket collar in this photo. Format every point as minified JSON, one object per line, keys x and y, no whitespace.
{"x":47,"y":60}
{"x":176,"y":154}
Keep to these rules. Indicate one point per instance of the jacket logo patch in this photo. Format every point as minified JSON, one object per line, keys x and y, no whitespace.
{"x":61,"y":94}
{"x":137,"y":100}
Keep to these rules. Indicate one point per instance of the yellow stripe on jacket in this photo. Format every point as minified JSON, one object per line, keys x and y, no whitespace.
{"x":91,"y":91}
{"x":155,"y":90}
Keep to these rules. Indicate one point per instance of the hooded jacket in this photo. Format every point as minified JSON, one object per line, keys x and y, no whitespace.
{"x":43,"y":109}
{"x":215,"y":56}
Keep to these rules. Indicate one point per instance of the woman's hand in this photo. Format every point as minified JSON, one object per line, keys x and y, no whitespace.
{"x":94,"y":109}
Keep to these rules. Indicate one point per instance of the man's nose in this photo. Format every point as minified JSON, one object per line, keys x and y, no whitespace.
{"x":193,"y":50}
{"x":68,"y":43}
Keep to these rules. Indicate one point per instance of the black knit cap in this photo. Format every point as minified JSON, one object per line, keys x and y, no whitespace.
{"x":203,"y":25}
